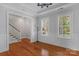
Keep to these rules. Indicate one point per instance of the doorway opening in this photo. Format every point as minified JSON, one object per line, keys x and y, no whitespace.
{"x":19,"y":28}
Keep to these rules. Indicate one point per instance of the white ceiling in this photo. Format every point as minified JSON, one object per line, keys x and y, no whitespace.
{"x":32,"y":8}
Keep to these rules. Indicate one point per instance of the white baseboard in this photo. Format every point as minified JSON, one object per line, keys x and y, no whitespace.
{"x":14,"y":41}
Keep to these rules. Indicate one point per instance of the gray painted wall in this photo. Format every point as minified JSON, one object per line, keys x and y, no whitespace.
{"x":3,"y":30}
{"x":52,"y":38}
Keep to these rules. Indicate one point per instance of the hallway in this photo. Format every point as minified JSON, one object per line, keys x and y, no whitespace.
{"x":26,"y":48}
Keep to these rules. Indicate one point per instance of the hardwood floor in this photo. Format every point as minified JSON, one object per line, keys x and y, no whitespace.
{"x":26,"y":48}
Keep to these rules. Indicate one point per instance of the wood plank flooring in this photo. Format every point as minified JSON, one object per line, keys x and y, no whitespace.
{"x":26,"y":48}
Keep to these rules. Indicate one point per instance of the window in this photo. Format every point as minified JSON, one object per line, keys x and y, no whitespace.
{"x":64,"y":29}
{"x":44,"y":26}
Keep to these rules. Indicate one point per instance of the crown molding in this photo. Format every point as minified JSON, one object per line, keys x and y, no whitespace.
{"x":55,"y":9}
{"x":24,"y":12}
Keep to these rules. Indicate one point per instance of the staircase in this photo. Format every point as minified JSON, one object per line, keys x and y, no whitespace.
{"x":14,"y":34}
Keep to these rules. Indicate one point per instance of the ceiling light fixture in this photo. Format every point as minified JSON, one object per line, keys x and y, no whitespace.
{"x":44,"y":4}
